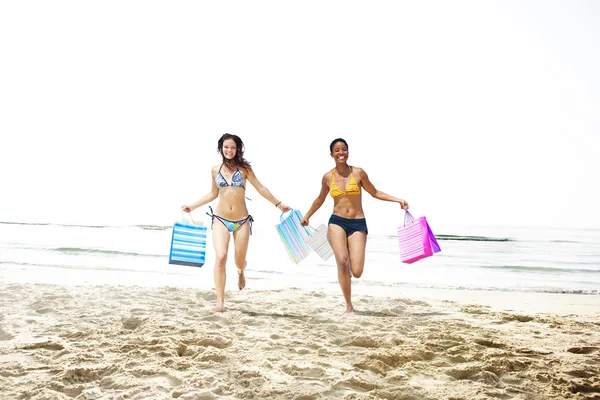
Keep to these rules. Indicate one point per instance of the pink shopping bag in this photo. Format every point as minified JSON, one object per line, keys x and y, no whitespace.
{"x":416,"y":239}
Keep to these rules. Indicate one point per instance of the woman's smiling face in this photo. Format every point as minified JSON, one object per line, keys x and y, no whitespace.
{"x":339,"y":152}
{"x":229,"y":149}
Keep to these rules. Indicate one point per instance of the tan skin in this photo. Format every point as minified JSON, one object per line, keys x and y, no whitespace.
{"x":231,"y":206}
{"x":349,"y":251}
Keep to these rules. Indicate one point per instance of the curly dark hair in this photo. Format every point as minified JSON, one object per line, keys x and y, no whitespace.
{"x":238,"y":160}
{"x":334,"y":142}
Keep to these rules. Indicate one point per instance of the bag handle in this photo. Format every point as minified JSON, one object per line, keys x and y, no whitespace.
{"x":408,"y":218}
{"x":189,"y":215}
{"x":312,"y":230}
{"x":281,"y":216}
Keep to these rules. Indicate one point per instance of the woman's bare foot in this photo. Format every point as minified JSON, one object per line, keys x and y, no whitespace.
{"x":241,"y":277}
{"x":349,"y":309}
{"x":220,"y":307}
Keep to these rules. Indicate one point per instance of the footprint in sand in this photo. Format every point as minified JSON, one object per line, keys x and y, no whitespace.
{"x":585,"y":388}
{"x":489,"y":343}
{"x":211,"y":354}
{"x":132,"y":323}
{"x":302,"y":371}
{"x":374,"y":366}
{"x":468,"y":371}
{"x":398,"y":357}
{"x":207,"y":296}
{"x":157,"y":378}
{"x":533,"y":352}
{"x":583,"y":350}
{"x":517,"y":317}
{"x":354,"y":383}
{"x":215,"y":317}
{"x":5,"y":335}
{"x":580,"y":373}
{"x":362,"y":341}
{"x":43,"y":345}
{"x":487,"y":377}
{"x":86,"y":375}
{"x":214,"y":341}
{"x":477,"y":310}
{"x":138,"y":311}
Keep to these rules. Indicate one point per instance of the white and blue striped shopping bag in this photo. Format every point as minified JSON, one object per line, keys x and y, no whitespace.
{"x":188,"y":244}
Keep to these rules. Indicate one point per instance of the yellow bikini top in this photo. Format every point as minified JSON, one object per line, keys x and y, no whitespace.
{"x":351,"y":190}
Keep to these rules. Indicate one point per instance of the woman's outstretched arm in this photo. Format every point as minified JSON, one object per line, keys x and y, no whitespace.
{"x":318,"y":201}
{"x":264,"y":192}
{"x":378,"y":194}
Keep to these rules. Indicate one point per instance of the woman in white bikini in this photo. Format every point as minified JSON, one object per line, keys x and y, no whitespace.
{"x":228,"y":184}
{"x":347,"y":231}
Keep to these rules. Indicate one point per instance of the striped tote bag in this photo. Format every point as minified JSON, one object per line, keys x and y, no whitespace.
{"x":416,"y":239}
{"x":293,"y":236}
{"x":188,"y":244}
{"x":318,"y":242}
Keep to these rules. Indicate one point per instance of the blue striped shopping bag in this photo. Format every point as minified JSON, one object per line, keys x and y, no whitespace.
{"x":188,"y":244}
{"x":293,"y":235}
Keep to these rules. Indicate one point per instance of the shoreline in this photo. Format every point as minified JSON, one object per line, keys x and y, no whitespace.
{"x":499,"y":300}
{"x":527,"y":302}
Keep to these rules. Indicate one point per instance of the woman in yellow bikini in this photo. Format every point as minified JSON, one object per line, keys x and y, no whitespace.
{"x":347,"y":232}
{"x":229,"y":185}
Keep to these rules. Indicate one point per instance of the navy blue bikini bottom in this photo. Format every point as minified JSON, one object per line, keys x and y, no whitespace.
{"x":349,"y":225}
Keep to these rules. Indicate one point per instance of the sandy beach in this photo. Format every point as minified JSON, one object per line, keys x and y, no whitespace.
{"x":124,"y":342}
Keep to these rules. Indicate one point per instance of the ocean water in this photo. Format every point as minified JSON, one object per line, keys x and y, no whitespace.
{"x":499,"y":259}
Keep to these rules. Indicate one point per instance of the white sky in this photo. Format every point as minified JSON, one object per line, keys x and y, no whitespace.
{"x":476,"y":112}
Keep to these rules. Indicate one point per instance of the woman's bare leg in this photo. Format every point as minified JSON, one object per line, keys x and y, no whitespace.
{"x":241,"y":239}
{"x":339,"y":243}
{"x":221,"y":243}
{"x":357,"y":244}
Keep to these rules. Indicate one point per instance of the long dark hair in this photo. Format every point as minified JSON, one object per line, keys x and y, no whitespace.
{"x":335,"y":141}
{"x":238,"y":160}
